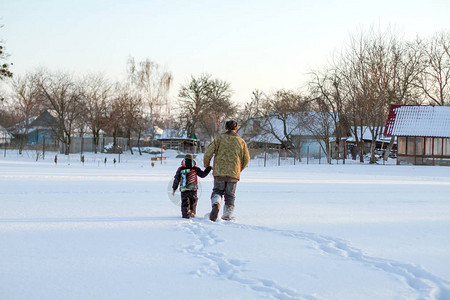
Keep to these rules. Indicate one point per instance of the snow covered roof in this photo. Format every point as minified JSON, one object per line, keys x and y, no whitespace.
{"x":45,"y":121}
{"x":418,"y":120}
{"x":175,"y":134}
{"x":366,"y":134}
{"x":300,"y":124}
{"x":304,"y":124}
{"x":264,"y":138}
{"x":4,"y":134}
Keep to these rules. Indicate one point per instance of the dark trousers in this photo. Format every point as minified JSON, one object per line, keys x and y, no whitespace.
{"x":223,"y":188}
{"x":188,"y":203}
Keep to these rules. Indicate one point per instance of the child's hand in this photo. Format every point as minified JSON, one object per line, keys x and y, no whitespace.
{"x":173,"y":192}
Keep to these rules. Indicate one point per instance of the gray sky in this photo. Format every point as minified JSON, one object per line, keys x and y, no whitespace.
{"x":252,"y":44}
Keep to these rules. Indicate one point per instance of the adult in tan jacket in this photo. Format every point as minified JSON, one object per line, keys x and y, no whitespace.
{"x":230,"y":158}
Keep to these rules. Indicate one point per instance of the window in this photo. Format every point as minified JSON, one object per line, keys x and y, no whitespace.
{"x":419,"y":145}
{"x":446,"y":143}
{"x":428,"y":146}
{"x":401,"y":145}
{"x":437,"y":146}
{"x":410,"y":146}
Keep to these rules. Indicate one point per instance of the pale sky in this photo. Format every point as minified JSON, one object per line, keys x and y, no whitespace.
{"x":256,"y":44}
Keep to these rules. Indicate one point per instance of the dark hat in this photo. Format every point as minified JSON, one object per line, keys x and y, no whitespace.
{"x":231,"y":125}
{"x":188,"y":161}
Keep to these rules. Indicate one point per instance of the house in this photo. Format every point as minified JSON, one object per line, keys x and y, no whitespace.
{"x":365,"y":136}
{"x":36,"y":129}
{"x":423,"y":134}
{"x":5,"y":136}
{"x":308,"y":132}
{"x":179,"y":140}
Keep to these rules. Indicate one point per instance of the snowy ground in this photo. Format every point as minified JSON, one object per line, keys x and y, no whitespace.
{"x":105,"y":231}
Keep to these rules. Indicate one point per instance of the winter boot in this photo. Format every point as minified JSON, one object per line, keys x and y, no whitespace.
{"x":214,"y":212}
{"x":227,"y":212}
{"x":186,"y":215}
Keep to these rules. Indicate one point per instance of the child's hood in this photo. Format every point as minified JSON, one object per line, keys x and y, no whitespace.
{"x":187,"y":162}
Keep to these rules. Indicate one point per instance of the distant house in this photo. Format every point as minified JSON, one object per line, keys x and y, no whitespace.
{"x":5,"y":136}
{"x":365,"y":136}
{"x":36,"y":129}
{"x":423,"y":134}
{"x":308,"y":130}
{"x":179,"y":140}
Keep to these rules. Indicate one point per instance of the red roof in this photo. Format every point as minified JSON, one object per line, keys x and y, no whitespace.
{"x":418,"y":120}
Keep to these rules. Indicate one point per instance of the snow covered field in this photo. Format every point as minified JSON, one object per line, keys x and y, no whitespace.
{"x":96,"y":231}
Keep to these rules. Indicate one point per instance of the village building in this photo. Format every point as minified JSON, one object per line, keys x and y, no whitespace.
{"x":36,"y":129}
{"x":363,"y":135}
{"x":179,"y":140}
{"x":5,"y":136}
{"x":423,"y":134}
{"x":308,"y":132}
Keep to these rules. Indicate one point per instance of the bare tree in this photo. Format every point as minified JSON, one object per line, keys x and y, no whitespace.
{"x":435,"y":78}
{"x":115,"y":123}
{"x":252,"y":110}
{"x":97,"y":92}
{"x":26,"y":103}
{"x":283,"y":118}
{"x":153,"y":86}
{"x":376,"y":70}
{"x":406,"y":67}
{"x":142,"y":123}
{"x":64,"y":98}
{"x":219,"y":107}
{"x":193,"y":102}
{"x":129,"y":107}
{"x":204,"y":104}
{"x":328,"y":103}
{"x":381,"y":62}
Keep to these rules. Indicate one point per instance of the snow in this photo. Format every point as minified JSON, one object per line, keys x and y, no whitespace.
{"x":317,"y":231}
{"x":419,"y":120}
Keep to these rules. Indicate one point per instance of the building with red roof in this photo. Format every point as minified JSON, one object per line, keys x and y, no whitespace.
{"x":423,"y":134}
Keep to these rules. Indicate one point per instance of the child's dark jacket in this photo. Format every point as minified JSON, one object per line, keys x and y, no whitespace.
{"x":186,"y":177}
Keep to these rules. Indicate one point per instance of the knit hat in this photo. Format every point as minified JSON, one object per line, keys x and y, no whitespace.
{"x":188,"y":161}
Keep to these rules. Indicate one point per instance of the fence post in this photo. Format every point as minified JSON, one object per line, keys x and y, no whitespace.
{"x":295,"y":154}
{"x":162,"y":149}
{"x":82,"y":145}
{"x":265,"y":154}
{"x":279,"y":155}
{"x":345,"y":152}
{"x":307,"y":156}
{"x":43,"y":148}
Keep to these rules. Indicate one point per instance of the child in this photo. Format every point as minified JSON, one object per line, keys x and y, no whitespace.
{"x":186,"y":177}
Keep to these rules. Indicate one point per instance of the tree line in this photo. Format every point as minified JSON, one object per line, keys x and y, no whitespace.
{"x":355,"y":89}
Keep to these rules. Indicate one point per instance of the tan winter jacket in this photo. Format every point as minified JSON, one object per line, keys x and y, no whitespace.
{"x":230,"y":155}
